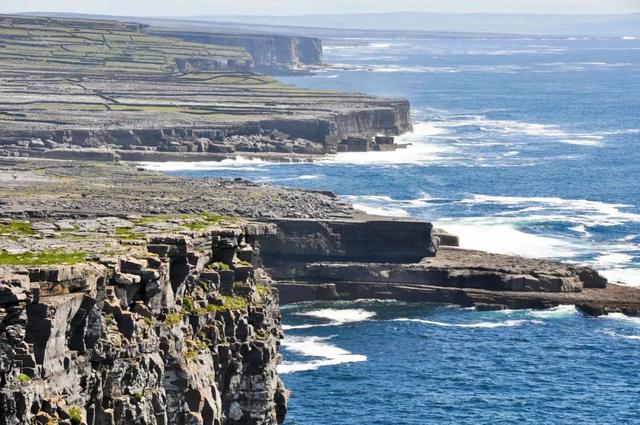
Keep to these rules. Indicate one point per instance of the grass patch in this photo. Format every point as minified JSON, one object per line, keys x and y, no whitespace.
{"x":229,"y":302}
{"x":127,"y":233}
{"x":17,"y":227}
{"x":23,"y":378}
{"x":262,"y":290}
{"x":42,"y":258}
{"x":173,"y":319}
{"x":223,"y":267}
{"x":75,"y":415}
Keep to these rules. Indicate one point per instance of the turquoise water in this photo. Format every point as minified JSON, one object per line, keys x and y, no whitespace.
{"x":529,"y":147}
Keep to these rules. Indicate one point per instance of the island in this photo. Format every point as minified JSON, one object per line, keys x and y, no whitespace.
{"x":129,"y":296}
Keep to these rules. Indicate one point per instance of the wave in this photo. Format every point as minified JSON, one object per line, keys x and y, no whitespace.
{"x":387,"y":206}
{"x":563,"y":310}
{"x":381,"y":211}
{"x":335,"y":317}
{"x":424,"y":146}
{"x":480,"y":234}
{"x":614,"y":258}
{"x":622,"y":317}
{"x":340,"y":316}
{"x":625,"y":276}
{"x":315,"y":346}
{"x":617,"y":335}
{"x":284,"y":179}
{"x":380,"y":45}
{"x":599,"y":213}
{"x":512,"y":127}
{"x":484,"y":325}
{"x":225,"y":164}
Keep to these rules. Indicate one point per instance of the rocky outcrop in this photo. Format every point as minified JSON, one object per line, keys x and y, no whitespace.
{"x":182,"y":330}
{"x":272,"y":54}
{"x":302,"y":242}
{"x":393,"y":259}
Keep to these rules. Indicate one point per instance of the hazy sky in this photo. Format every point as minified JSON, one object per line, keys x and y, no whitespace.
{"x":298,"y":7}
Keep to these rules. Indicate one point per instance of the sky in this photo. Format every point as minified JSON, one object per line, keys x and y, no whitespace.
{"x":305,"y":7}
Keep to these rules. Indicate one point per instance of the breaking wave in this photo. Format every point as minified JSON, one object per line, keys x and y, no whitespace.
{"x":622,"y":317}
{"x":335,"y":317}
{"x":314,"y":346}
{"x":485,"y":325}
{"x":617,"y":335}
{"x":555,"y":312}
{"x":225,"y":164}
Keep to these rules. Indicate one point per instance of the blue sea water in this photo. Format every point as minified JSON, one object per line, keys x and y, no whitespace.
{"x":521,"y":146}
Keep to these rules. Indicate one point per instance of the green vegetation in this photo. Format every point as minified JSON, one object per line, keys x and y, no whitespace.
{"x":23,"y":378}
{"x":223,"y":267}
{"x":187,"y":304}
{"x":41,"y":258}
{"x":17,"y":227}
{"x":262,"y":290}
{"x":75,"y":415}
{"x":65,"y":44}
{"x":138,"y":396}
{"x":190,"y":354}
{"x":240,"y":284}
{"x":229,"y":302}
{"x":173,"y":319}
{"x":126,"y":233}
{"x":212,"y":218}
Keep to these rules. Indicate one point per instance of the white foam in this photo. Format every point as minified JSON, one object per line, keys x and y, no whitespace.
{"x":506,"y":239}
{"x":336,"y":317}
{"x":340,"y":316}
{"x":387,"y":206}
{"x":628,"y":37}
{"x":614,"y":258}
{"x":314,"y":346}
{"x":617,"y":335}
{"x":512,"y":127}
{"x":626,"y":276}
{"x":583,"y":142}
{"x":382,"y":211}
{"x":555,"y":312}
{"x":485,"y":325}
{"x":423,"y":148}
{"x":225,"y":164}
{"x":596,"y":212}
{"x":622,"y":317}
{"x":380,"y":45}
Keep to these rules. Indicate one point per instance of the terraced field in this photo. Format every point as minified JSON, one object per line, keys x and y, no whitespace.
{"x":65,"y":75}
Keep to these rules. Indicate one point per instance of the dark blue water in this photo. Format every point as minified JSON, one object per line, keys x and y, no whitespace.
{"x":528,"y":147}
{"x":419,"y":364}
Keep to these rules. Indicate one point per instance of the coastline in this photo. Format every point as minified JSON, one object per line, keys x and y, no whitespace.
{"x":159,"y":296}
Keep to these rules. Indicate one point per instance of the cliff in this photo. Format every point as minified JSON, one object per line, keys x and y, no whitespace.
{"x":153,"y":323}
{"x":109,"y":86}
{"x":129,"y":297}
{"x":272,"y":54}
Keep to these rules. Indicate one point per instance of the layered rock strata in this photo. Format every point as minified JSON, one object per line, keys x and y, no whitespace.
{"x":391,"y":263}
{"x":108,"y":90}
{"x":172,"y":327}
{"x":272,"y":54}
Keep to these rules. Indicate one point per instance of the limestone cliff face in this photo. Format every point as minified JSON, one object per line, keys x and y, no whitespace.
{"x":186,"y":333}
{"x":271,"y":53}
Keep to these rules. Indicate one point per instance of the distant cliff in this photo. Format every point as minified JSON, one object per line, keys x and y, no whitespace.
{"x":272,"y":54}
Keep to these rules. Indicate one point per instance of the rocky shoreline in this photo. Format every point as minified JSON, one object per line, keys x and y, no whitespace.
{"x":158,"y":296}
{"x":128,"y":296}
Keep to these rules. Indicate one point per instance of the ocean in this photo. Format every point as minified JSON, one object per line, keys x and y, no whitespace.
{"x":527,"y":146}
